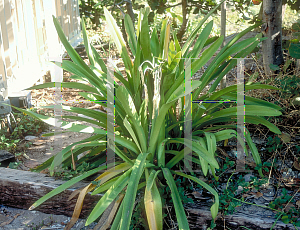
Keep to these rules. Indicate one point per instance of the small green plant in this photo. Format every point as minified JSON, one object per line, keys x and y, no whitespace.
{"x":227,"y":204}
{"x":184,"y":187}
{"x":257,"y":183}
{"x":68,"y":173}
{"x":294,"y":48}
{"x":227,"y":165}
{"x":8,"y":144}
{"x":289,"y":216}
{"x":264,"y":166}
{"x":289,"y":84}
{"x":14,"y":165}
{"x":25,"y":125}
{"x":274,"y":144}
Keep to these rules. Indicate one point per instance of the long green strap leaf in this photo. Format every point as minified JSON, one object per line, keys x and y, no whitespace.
{"x":131,"y":191}
{"x":72,"y":85}
{"x":108,"y":197}
{"x":131,"y":34}
{"x":215,"y":207}
{"x":65,"y":186}
{"x":87,"y":45}
{"x":179,"y":210}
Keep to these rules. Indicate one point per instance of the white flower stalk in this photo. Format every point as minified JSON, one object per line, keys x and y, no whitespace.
{"x":156,"y":96}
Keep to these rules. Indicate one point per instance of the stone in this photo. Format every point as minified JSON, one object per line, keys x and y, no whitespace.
{"x":6,"y":157}
{"x":29,"y":138}
{"x":248,"y":177}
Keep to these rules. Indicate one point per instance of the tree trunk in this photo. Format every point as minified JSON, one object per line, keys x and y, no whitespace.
{"x":97,"y":18}
{"x":272,"y":28}
{"x":184,"y":20}
{"x":129,"y":10}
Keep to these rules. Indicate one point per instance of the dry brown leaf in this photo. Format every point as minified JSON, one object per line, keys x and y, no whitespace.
{"x":11,"y":220}
{"x":289,"y":206}
{"x":104,"y":224}
{"x":296,"y":165}
{"x":245,"y":195}
{"x":298,"y":203}
{"x":258,"y":195}
{"x":75,"y":193}
{"x":78,"y":206}
{"x":197,"y":194}
{"x":286,"y":138}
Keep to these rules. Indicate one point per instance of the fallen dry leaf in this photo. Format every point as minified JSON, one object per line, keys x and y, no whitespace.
{"x":285,"y":137}
{"x":11,"y":220}
{"x":289,"y":206}
{"x":246,"y":195}
{"x":298,"y":203}
{"x":258,"y":195}
{"x":296,"y":165}
{"x":197,"y":194}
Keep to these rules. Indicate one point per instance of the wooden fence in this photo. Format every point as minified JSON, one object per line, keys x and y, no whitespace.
{"x":28,"y":39}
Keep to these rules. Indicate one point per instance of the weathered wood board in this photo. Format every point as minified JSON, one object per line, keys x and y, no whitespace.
{"x":20,"y":189}
{"x":200,"y":219}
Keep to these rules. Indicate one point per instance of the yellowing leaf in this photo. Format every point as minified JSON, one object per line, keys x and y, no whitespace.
{"x":285,"y":137}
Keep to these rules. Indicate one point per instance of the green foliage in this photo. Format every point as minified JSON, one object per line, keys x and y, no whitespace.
{"x":25,"y":125}
{"x":8,"y":144}
{"x":289,"y":216}
{"x":149,"y":119}
{"x":66,"y":173}
{"x":184,"y":187}
{"x":263,"y":166}
{"x":227,"y":165}
{"x":274,"y":144}
{"x":14,"y":165}
{"x":294,"y":43}
{"x":290,"y":85}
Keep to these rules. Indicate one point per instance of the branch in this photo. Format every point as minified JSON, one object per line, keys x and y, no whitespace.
{"x":173,"y":5}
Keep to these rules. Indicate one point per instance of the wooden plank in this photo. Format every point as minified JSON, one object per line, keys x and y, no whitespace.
{"x":22,"y":45}
{"x":35,"y":21}
{"x":14,"y":19}
{"x":20,"y":189}
{"x":59,"y":14}
{"x":66,"y":19}
{"x":71,"y":25}
{"x":9,"y":14}
{"x":29,"y":30}
{"x":38,"y":25}
{"x":77,"y":21}
{"x":5,"y":39}
{"x":200,"y":218}
{"x":52,"y":40}
{"x":2,"y":63}
{"x":43,"y":30}
{"x":76,"y":38}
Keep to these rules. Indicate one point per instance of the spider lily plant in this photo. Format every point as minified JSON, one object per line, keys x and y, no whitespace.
{"x":150,"y":142}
